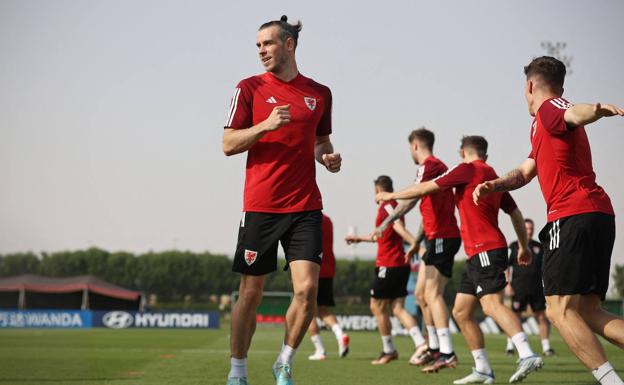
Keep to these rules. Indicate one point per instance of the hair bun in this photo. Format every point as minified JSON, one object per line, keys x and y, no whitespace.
{"x":284,"y":18}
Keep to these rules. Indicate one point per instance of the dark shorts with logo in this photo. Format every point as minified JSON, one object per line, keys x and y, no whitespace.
{"x":390,"y":282}
{"x":325,"y":295}
{"x":259,"y":234}
{"x":440,"y":252}
{"x":577,"y":255}
{"x":484,"y":273}
{"x":535,"y":299}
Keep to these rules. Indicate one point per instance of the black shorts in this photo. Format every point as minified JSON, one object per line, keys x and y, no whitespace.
{"x":484,"y":273}
{"x":259,"y":233}
{"x":577,"y":254}
{"x":325,"y":295}
{"x":440,"y":252}
{"x":536,"y":300}
{"x":390,"y":282}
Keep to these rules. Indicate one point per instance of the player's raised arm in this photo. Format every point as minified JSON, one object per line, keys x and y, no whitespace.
{"x":415,"y":191}
{"x":582,"y":114}
{"x":403,"y":207}
{"x":325,"y":155}
{"x":236,"y":141}
{"x":513,"y":180}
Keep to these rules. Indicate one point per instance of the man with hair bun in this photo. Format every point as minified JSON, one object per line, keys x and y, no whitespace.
{"x":282,"y":119}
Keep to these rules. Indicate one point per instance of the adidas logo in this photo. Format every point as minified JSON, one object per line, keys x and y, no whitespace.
{"x":479,"y":289}
{"x":271,"y":100}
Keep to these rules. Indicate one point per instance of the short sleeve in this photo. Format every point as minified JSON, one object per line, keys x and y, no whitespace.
{"x":428,"y":171}
{"x":508,"y":204}
{"x":324,"y":127}
{"x":551,"y":116}
{"x":457,"y":176}
{"x":240,"y":114}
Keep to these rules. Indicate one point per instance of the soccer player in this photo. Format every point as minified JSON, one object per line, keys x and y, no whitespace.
{"x":580,"y":232}
{"x":282,"y":119}
{"x":483,"y":280}
{"x":525,"y":287}
{"x":392,"y":272}
{"x":325,"y":298}
{"x":442,"y":241}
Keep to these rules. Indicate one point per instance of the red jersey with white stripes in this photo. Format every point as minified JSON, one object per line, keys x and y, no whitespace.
{"x":437,"y":210}
{"x":328,"y":261}
{"x":281,"y":169}
{"x":479,"y":224}
{"x":390,"y":252}
{"x":564,"y":164}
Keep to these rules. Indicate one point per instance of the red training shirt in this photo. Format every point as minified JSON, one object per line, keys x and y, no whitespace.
{"x":437,"y":210}
{"x":564,"y":164}
{"x":390,"y":252}
{"x":281,"y":170}
{"x":328,"y":262}
{"x":479,"y":224}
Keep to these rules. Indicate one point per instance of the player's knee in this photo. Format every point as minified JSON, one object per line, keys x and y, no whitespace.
{"x":305,"y":291}
{"x":420,"y":297}
{"x":431,"y":296}
{"x":460,"y":314}
{"x":251,"y":296}
{"x":376,"y":307}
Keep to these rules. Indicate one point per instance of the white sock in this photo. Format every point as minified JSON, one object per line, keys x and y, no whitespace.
{"x":286,"y":355}
{"x":433,"y":338}
{"x":521,"y":341}
{"x":238,"y":368}
{"x":545,"y":344}
{"x":606,"y":375}
{"x":337,"y":331}
{"x":446,"y":344}
{"x":388,"y":346}
{"x":318,"y":343}
{"x":509,"y":344}
{"x":417,"y":336}
{"x":482,"y":365}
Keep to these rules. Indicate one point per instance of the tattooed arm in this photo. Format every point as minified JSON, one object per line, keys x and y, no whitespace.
{"x":403,"y":207}
{"x":514,"y":179}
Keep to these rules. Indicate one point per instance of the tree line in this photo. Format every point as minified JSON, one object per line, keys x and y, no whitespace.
{"x":172,"y":275}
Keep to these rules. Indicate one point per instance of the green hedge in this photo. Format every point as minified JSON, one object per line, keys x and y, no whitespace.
{"x":174,"y":274}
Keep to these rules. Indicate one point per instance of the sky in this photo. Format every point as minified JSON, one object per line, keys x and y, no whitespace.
{"x":111,"y":112}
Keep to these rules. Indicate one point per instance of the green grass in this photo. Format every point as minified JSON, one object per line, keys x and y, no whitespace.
{"x":188,"y":357}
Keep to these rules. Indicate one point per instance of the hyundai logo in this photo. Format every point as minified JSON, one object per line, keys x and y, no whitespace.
{"x":117,"y":319}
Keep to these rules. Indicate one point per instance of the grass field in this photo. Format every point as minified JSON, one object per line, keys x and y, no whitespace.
{"x":189,"y":357}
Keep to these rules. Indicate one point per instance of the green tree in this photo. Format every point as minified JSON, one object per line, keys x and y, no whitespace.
{"x":618,"y":278}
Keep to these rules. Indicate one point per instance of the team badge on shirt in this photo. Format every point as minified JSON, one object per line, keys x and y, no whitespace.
{"x":310,"y":102}
{"x":250,"y":256}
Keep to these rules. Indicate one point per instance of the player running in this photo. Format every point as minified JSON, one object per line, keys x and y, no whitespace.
{"x":392,"y":272}
{"x":580,"y":232}
{"x":525,"y":288}
{"x":483,"y":279}
{"x":283,"y":120}
{"x":442,"y":241}
{"x":325,"y":299}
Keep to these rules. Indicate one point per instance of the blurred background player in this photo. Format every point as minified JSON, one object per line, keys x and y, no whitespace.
{"x":282,"y":203}
{"x":483,"y":280}
{"x":581,"y":222}
{"x":325,"y":298}
{"x":525,"y":288}
{"x":392,"y":272}
{"x":442,"y":241}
